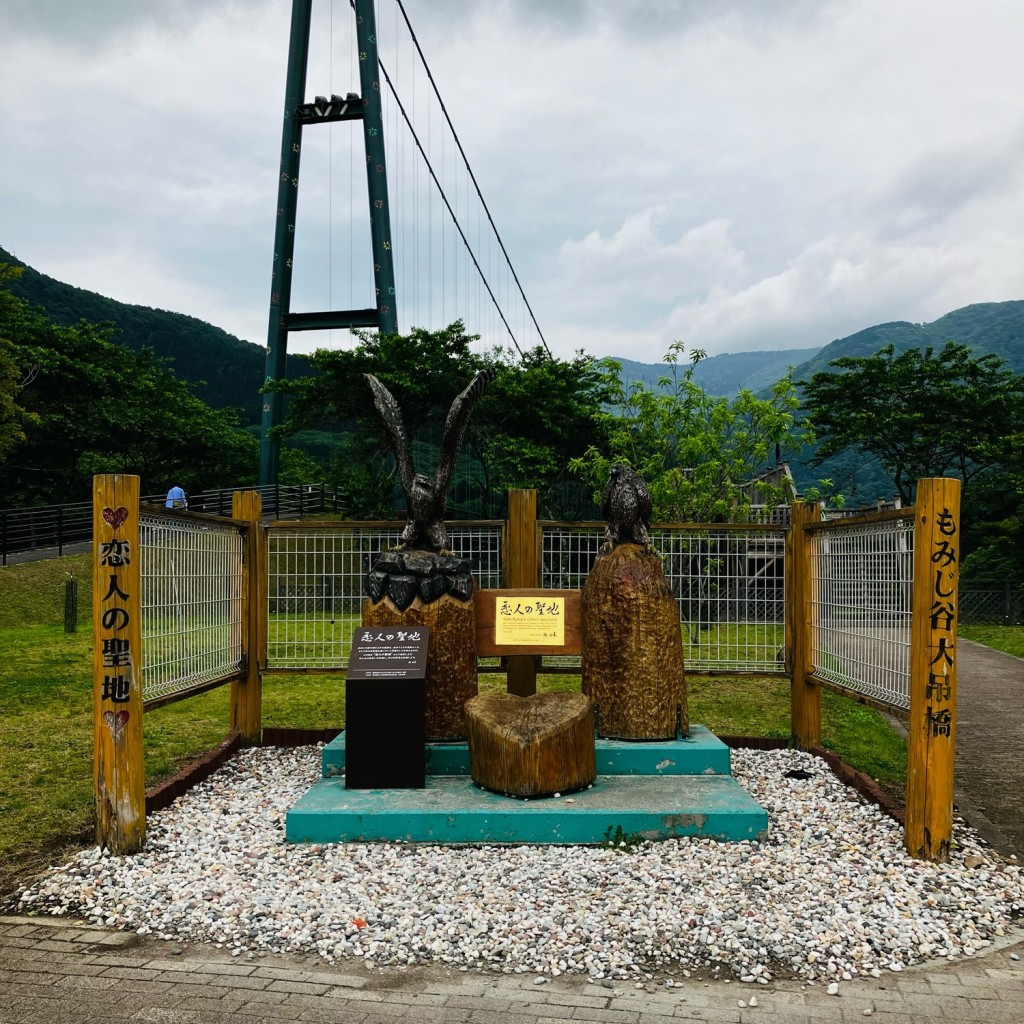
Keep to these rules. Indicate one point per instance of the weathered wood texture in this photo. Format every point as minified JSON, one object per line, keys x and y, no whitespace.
{"x":118,"y":767}
{"x":805,"y":697}
{"x":451,"y":658}
{"x":531,"y":746}
{"x":521,"y":561}
{"x":632,"y":657}
{"x":931,"y":729}
{"x":247,"y":693}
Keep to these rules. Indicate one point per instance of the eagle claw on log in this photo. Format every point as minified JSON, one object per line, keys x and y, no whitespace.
{"x":626,"y":507}
{"x":425,"y":499}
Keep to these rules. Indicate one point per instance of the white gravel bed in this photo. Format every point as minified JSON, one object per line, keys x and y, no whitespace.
{"x":830,"y":894}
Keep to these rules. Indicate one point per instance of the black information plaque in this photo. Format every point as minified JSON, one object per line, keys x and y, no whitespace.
{"x":385,"y":736}
{"x":388,"y":653}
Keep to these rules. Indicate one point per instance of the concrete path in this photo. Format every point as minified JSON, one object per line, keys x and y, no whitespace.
{"x":43,"y":554}
{"x":63,"y":972}
{"x":989,"y":772}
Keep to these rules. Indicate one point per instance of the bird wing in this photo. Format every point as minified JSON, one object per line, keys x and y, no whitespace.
{"x":455,"y":427}
{"x":606,"y":499}
{"x":391,"y":417}
{"x":644,"y":501}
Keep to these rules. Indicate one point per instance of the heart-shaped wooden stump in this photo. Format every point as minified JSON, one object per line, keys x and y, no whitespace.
{"x":531,"y":746}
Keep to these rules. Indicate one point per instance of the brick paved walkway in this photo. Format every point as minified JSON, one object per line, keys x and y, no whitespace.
{"x":63,"y":972}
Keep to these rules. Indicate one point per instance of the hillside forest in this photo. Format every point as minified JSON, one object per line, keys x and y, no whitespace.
{"x":88,"y":385}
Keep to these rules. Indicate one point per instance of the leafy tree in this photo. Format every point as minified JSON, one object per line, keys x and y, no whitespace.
{"x":92,"y":406}
{"x":12,"y":416}
{"x":535,"y":417}
{"x":695,"y":451}
{"x":536,"y":414}
{"x":920,"y":414}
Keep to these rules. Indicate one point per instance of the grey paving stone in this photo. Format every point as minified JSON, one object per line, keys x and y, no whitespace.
{"x":56,"y":946}
{"x":86,"y":982}
{"x":298,"y":987}
{"x":550,"y":1010}
{"x":236,"y":970}
{"x":497,"y":1005}
{"x":271,"y":1011}
{"x":238,"y":982}
{"x":115,"y":960}
{"x":176,"y":966}
{"x":132,"y":973}
{"x":603,"y":1014}
{"x":190,"y":978}
{"x":166,"y":1015}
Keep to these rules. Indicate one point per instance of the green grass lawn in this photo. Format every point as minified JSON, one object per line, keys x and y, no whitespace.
{"x":1003,"y":638}
{"x":46,"y":707}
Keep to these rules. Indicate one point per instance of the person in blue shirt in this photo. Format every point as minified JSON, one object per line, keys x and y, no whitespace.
{"x":176,"y":498}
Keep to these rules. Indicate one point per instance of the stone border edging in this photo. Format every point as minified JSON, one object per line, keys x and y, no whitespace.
{"x":199,"y":770}
{"x":192,"y":774}
{"x":863,"y":784}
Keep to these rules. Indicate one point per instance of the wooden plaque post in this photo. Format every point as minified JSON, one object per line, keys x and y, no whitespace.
{"x":522,"y":570}
{"x":247,"y":693}
{"x":118,"y":766}
{"x":932,"y":726}
{"x":805,"y":697}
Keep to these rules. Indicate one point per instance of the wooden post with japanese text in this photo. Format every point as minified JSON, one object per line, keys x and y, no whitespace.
{"x":118,"y":766}
{"x":522,"y":570}
{"x":932,"y":723}
{"x":805,"y":697}
{"x":247,"y":692}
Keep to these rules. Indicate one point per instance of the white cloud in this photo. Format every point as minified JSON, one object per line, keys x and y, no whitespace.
{"x":735,"y":175}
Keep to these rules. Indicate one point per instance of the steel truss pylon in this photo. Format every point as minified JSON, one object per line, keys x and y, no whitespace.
{"x":297,"y":113}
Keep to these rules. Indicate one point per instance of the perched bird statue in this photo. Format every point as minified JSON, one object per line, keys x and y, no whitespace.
{"x":626,"y":507}
{"x":425,"y":499}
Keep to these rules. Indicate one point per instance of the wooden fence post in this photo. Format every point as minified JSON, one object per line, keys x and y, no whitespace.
{"x":932,"y":724}
{"x":119,"y":779}
{"x":247,"y":693}
{"x":805,"y":698}
{"x":521,"y":559}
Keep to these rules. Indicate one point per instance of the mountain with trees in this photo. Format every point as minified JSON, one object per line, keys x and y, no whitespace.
{"x":726,"y":374}
{"x":73,"y":404}
{"x":89,"y":385}
{"x":225,"y":371}
{"x":985,"y":327}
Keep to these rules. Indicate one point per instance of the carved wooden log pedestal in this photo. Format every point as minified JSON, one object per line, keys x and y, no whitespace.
{"x":531,"y":746}
{"x":632,"y":648}
{"x":451,"y":658}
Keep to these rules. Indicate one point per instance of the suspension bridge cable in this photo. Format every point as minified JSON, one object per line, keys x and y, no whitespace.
{"x":455,"y":219}
{"x":465,"y":160}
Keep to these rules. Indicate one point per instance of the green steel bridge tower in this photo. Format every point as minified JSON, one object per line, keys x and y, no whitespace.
{"x":297,"y":114}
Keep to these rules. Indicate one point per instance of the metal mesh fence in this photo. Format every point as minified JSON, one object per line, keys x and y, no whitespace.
{"x":861,"y":590}
{"x":315,"y":584}
{"x":730,"y":585}
{"x":191,"y":603}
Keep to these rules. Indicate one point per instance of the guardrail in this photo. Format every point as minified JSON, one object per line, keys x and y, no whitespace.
{"x":56,"y":527}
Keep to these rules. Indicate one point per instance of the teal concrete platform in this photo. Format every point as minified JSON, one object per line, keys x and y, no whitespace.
{"x":700,"y":753}
{"x":453,"y":810}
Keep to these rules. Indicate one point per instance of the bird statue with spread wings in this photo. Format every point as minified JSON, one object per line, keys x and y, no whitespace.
{"x":426,"y":499}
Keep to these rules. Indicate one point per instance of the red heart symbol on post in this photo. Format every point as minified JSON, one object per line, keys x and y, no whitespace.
{"x":115,"y":516}
{"x":115,"y":721}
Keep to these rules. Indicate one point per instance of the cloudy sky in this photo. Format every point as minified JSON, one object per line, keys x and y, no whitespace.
{"x":736,"y":175}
